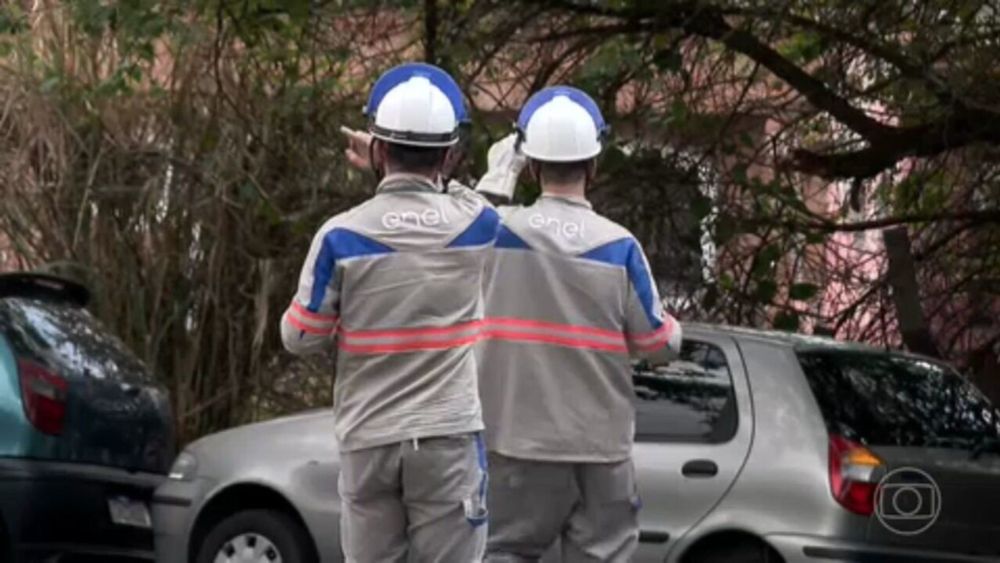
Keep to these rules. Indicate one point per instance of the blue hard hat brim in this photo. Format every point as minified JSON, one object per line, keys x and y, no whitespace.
{"x":438,"y":77}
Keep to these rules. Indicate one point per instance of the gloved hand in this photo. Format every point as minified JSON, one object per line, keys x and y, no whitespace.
{"x":504,"y":163}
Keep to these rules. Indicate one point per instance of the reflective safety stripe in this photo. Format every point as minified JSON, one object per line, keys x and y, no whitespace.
{"x":568,"y":342}
{"x":407,"y":346}
{"x":656,"y":339}
{"x":308,"y":321}
{"x":307,"y":328}
{"x":309,"y":315}
{"x":410,"y":332}
{"x":384,"y":341}
{"x":575,"y":329}
{"x":409,"y":339}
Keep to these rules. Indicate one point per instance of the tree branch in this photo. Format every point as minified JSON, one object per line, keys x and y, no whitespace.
{"x":960,"y":125}
{"x":962,"y":128}
{"x":713,"y":26}
{"x":978,"y":216}
{"x":708,"y":21}
{"x":904,"y":64}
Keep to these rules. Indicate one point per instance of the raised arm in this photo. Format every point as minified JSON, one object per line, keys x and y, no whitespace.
{"x":310,"y":323}
{"x":652,"y":333}
{"x":504,"y":165}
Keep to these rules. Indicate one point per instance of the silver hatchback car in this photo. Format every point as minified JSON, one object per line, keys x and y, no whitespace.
{"x":752,"y":447}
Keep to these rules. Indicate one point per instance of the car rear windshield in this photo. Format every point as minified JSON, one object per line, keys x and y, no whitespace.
{"x":68,"y":340}
{"x":894,"y":400}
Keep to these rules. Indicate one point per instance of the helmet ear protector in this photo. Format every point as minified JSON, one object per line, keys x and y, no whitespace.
{"x":546,"y":95}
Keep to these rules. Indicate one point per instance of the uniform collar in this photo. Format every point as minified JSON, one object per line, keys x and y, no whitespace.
{"x":582,"y":202}
{"x":403,"y":182}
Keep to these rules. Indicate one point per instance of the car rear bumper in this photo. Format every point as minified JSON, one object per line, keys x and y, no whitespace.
{"x":57,"y":507}
{"x":813,"y":549}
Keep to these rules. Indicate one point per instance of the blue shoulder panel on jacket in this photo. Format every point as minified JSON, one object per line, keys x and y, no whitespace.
{"x":507,"y":239}
{"x":482,"y":230}
{"x":626,"y":253}
{"x":339,"y":244}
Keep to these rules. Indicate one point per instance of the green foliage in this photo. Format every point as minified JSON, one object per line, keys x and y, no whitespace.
{"x":804,"y":47}
{"x":802,"y":291}
{"x":668,"y":60}
{"x":766,"y":290}
{"x":786,"y":321}
{"x":13,"y":20}
{"x":611,"y":62}
{"x":189,"y":149}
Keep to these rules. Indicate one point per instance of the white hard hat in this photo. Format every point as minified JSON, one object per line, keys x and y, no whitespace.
{"x":561,"y":124}
{"x":417,"y":105}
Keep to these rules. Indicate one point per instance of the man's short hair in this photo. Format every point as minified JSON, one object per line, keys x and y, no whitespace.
{"x":406,"y":158}
{"x":563,"y":172}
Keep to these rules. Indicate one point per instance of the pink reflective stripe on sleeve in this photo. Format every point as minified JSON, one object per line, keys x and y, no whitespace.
{"x":306,"y":314}
{"x":656,"y":339}
{"x":290,"y":316}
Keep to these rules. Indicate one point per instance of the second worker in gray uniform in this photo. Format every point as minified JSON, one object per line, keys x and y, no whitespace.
{"x":569,"y":299}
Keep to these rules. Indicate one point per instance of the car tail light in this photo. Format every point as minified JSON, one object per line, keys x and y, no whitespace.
{"x":854,"y":472}
{"x":44,"y":396}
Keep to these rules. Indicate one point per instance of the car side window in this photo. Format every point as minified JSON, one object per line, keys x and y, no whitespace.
{"x":688,"y":400}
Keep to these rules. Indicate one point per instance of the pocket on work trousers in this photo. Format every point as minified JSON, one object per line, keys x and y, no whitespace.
{"x":445,"y":469}
{"x":476,"y":511}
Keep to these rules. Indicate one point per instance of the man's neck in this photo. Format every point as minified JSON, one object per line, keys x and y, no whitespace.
{"x":430,"y":175}
{"x":393,"y":180}
{"x":569,"y":191}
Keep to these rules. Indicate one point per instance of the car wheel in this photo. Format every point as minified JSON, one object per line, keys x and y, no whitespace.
{"x":256,"y":536}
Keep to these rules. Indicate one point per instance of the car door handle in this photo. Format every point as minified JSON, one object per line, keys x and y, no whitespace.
{"x":649,"y":536}
{"x":700,"y":468}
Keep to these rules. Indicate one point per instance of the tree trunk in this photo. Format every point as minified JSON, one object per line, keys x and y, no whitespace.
{"x":902,"y":277}
{"x":430,"y":31}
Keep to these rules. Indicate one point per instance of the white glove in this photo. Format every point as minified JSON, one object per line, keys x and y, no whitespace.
{"x":504,"y":163}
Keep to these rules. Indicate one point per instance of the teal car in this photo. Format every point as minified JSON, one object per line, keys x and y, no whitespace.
{"x":86,"y":434}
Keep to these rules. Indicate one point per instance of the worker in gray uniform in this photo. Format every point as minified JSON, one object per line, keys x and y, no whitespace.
{"x":569,"y":299}
{"x":395,"y":285}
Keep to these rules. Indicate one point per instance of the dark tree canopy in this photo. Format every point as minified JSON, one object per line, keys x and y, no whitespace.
{"x":178,"y":155}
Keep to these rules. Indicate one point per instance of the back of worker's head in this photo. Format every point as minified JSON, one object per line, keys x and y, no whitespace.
{"x":415,"y":112}
{"x":562,"y":132}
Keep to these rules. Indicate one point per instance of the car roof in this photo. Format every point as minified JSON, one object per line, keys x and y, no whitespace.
{"x":797,"y":341}
{"x":43,"y":286}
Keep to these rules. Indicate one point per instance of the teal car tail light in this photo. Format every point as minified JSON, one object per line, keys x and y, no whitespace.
{"x":43,"y":394}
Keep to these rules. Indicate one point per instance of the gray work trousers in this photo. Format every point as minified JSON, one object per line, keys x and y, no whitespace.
{"x":418,"y":501}
{"x":590,"y":508}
